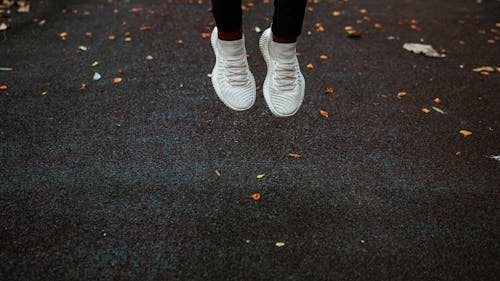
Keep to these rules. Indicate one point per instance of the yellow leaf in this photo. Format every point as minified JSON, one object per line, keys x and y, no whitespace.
{"x":280,"y":244}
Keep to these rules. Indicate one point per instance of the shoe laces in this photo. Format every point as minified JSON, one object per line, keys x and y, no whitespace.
{"x":236,"y":71}
{"x":286,"y":75}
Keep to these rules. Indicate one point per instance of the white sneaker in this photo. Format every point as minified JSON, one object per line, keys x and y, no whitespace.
{"x":284,"y":85}
{"x":231,"y":77}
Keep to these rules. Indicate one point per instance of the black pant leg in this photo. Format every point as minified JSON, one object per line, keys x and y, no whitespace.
{"x":288,"y":17}
{"x":227,"y":14}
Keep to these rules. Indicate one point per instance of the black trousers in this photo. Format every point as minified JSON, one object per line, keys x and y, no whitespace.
{"x":287,"y":19}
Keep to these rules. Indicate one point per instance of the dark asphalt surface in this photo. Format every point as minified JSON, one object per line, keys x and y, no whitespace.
{"x":117,"y":181}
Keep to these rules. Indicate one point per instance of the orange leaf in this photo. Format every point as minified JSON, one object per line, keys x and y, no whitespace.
{"x":437,"y":100}
{"x":217,"y":172}
{"x":294,"y":155}
{"x":323,"y":57}
{"x":465,"y":133}
{"x":425,"y":110}
{"x":117,"y":79}
{"x":310,"y":66}
{"x":323,"y":113}
{"x":256,"y":196}
{"x":3,"y":87}
{"x":329,"y":90}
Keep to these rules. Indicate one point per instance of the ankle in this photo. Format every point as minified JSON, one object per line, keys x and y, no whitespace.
{"x":279,"y":39}
{"x":232,"y":35}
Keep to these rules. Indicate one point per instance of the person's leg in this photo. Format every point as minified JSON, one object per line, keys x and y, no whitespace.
{"x":228,"y":18}
{"x":284,"y":86}
{"x":233,"y":82}
{"x":287,"y":20}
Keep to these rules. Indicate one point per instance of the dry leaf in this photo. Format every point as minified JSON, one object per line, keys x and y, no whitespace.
{"x":427,"y":50}
{"x":401,"y":94}
{"x":294,"y":155}
{"x":117,"y":80}
{"x":310,"y":66}
{"x":96,"y":77}
{"x":279,"y":244}
{"x":256,"y":196}
{"x":425,"y":110}
{"x":95,"y":63}
{"x":3,"y":87}
{"x":437,"y":100}
{"x":484,"y":68}
{"x":260,"y":176}
{"x":323,"y":113}
{"x":329,"y":90}
{"x":323,"y":57}
{"x":465,"y":133}
{"x":217,"y":173}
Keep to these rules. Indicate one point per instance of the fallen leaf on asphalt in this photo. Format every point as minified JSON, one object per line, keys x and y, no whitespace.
{"x":143,"y":28}
{"x":465,"y":133}
{"x":43,"y":93}
{"x":217,"y":173}
{"x":128,"y":39}
{"x":310,"y":66}
{"x":63,"y":35}
{"x":329,"y":90}
{"x":323,"y":57}
{"x":497,"y":157}
{"x":149,"y":57}
{"x":437,"y":109}
{"x":83,"y":48}
{"x":117,"y":80}
{"x":256,"y":196}
{"x":3,"y":26}
{"x":425,"y":110}
{"x":427,"y":50}
{"x":377,"y":26}
{"x":111,"y":37}
{"x":205,"y":35}
{"x":95,"y":63}
{"x":323,"y":113}
{"x":3,"y":87}
{"x":484,"y":68}
{"x":279,"y":244}
{"x":401,"y":94}
{"x":23,"y":8}
{"x":437,"y":100}
{"x":257,"y":29}
{"x":336,"y":13}
{"x":294,"y":155}
{"x":6,"y":68}
{"x":96,"y":76}
{"x":260,"y":176}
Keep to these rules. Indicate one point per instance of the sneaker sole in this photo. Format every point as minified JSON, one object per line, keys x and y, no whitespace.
{"x":213,"y":40}
{"x":264,"y":49}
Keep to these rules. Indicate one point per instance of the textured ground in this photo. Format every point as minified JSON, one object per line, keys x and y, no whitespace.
{"x":117,"y":181}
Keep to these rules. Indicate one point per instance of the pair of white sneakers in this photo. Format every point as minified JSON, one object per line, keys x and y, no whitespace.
{"x":235,"y":84}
